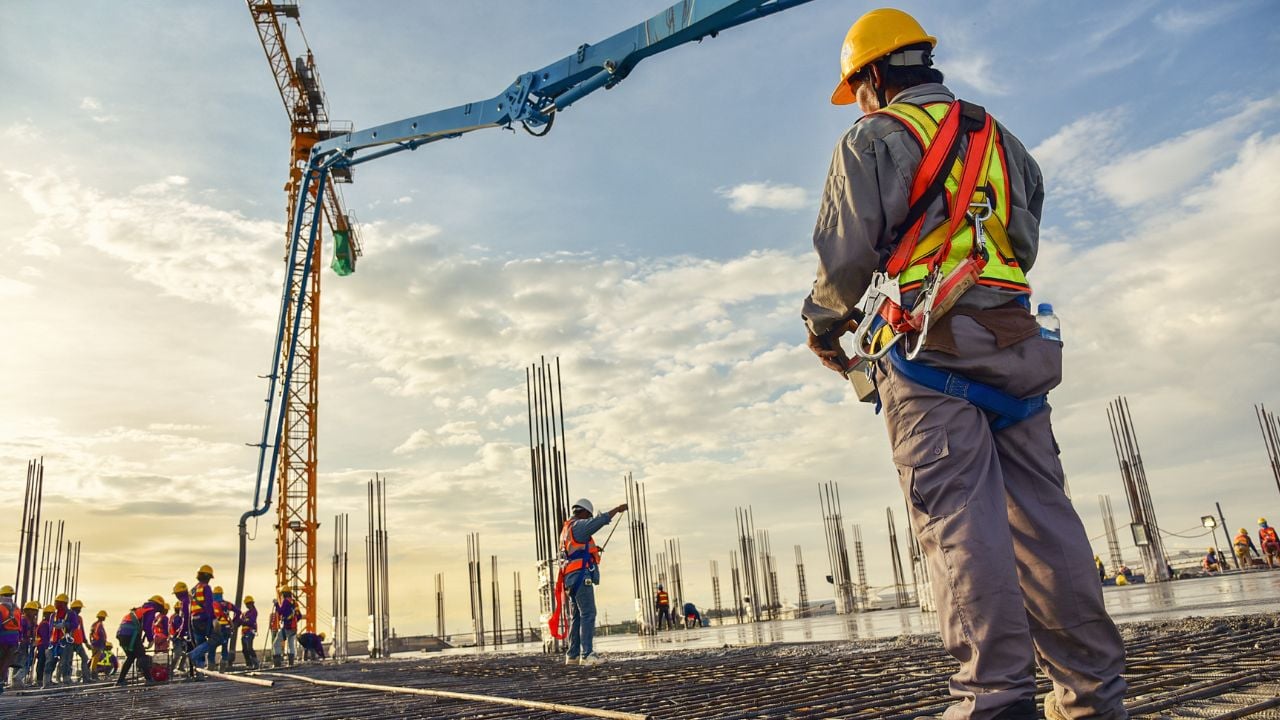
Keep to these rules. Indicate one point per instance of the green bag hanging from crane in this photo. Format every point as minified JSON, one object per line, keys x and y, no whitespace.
{"x":344,"y":258}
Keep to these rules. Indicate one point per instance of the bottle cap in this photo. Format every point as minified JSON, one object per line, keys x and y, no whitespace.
{"x":1044,"y":309}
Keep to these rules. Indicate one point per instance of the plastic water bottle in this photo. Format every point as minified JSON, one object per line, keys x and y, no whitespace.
{"x":1050,"y":327}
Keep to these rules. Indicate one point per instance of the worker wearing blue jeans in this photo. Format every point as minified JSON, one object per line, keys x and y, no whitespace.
{"x":580,"y":574}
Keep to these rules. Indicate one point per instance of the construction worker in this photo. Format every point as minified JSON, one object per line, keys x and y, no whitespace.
{"x":692,"y":618}
{"x":286,"y":612}
{"x":248,"y":632}
{"x":61,"y":611}
{"x":10,"y":632}
{"x":73,"y":641}
{"x":180,"y":629}
{"x":97,"y":642}
{"x":27,"y":646}
{"x":1102,"y":571}
{"x":44,"y":647}
{"x":312,"y":646}
{"x":1270,"y":543}
{"x":137,"y":629}
{"x":579,"y":574}
{"x":161,"y":642}
{"x":1245,"y":549}
{"x":1211,"y":562}
{"x":203,"y":632}
{"x":662,"y":608}
{"x":105,"y":664}
{"x":980,"y":470}
{"x":226,"y":616}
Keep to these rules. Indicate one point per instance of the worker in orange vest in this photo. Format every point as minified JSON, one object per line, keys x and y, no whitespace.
{"x":97,"y":642}
{"x":10,"y":632}
{"x":137,"y":629}
{"x":1245,"y":549}
{"x":45,"y":646}
{"x":662,"y":608}
{"x":1270,"y":542}
{"x":929,"y":221}
{"x":73,"y":642}
{"x":579,"y":574}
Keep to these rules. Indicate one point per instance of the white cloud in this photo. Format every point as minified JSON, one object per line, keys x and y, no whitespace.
{"x":403,"y":200}
{"x":90,"y":103}
{"x":977,"y":71}
{"x":92,"y":106}
{"x":1182,"y":20}
{"x":765,"y":195}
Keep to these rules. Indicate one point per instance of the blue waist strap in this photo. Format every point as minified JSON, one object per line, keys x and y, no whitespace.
{"x":1008,"y":409}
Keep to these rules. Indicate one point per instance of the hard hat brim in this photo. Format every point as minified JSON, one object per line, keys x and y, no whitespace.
{"x":843,"y":94}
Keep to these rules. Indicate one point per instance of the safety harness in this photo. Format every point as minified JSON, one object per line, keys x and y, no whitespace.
{"x":575,"y":557}
{"x":885,"y":320}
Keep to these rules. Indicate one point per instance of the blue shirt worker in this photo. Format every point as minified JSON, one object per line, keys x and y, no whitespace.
{"x":581,"y":574}
{"x":692,"y":618}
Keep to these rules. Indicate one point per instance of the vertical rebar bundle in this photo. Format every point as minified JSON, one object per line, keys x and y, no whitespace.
{"x":750,"y":571}
{"x":641,"y":569}
{"x":1146,"y":530}
{"x":340,"y":608}
{"x":715,"y":593}
{"x":549,"y":471}
{"x":29,"y":532}
{"x":899,"y":577}
{"x":519,"y":604}
{"x":736,"y":575}
{"x":862,"y":567}
{"x":377,"y":581}
{"x":496,"y":595}
{"x":837,"y":549}
{"x":477,"y":589}
{"x":768,"y":574}
{"x":671,"y":562}
{"x":919,"y":570}
{"x":440,"y":605}
{"x":1113,"y":538}
{"x":802,"y":607}
{"x":1271,"y":438}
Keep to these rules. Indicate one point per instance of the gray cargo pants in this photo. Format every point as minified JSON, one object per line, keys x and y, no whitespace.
{"x":1012,"y":568}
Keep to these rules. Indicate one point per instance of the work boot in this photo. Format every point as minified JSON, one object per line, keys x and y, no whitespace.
{"x":277,"y":661}
{"x":594,"y":659}
{"x":571,"y":660}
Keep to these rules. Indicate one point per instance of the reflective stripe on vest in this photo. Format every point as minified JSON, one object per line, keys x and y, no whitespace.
{"x":10,"y":618}
{"x":663,"y":599}
{"x":1002,"y":269}
{"x":579,"y":555}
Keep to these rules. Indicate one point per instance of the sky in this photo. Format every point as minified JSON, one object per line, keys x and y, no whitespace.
{"x":657,"y":242}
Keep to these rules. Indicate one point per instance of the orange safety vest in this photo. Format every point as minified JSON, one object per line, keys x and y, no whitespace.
{"x":10,"y":617}
{"x":77,"y":635}
{"x":580,"y":556}
{"x":59,"y":616}
{"x":200,"y":594}
{"x":1242,"y":542}
{"x":98,"y":633}
{"x":663,"y":599}
{"x":1268,"y":535}
{"x":918,"y":249}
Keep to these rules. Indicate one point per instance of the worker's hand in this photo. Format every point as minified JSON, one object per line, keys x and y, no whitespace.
{"x":618,"y":510}
{"x":827,"y":347}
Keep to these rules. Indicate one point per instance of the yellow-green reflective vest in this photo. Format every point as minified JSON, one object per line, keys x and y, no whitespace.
{"x":1002,"y":269}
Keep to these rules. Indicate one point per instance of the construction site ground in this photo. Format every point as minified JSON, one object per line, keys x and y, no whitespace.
{"x":1199,"y":667}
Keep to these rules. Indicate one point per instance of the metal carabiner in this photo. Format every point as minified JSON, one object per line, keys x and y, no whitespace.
{"x":881,"y":290}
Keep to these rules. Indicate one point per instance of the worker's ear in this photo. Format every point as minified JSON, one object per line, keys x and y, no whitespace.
{"x":873,"y":72}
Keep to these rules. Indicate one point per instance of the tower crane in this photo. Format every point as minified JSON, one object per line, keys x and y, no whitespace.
{"x":309,"y":123}
{"x":534,"y":100}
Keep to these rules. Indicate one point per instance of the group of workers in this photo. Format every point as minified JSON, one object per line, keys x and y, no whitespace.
{"x":664,"y":615}
{"x":189,"y":633}
{"x":1248,"y":556}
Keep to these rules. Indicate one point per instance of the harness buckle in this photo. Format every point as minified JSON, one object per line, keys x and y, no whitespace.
{"x":883,"y":289}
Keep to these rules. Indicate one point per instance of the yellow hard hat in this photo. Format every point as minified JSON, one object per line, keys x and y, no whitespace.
{"x":179,"y":587}
{"x":286,"y":590}
{"x":322,"y":636}
{"x":1212,"y":549}
{"x":108,"y":645}
{"x":49,"y":609}
{"x":157,"y":600}
{"x":873,"y":36}
{"x":62,"y":597}
{"x":217,"y":589}
{"x":248,"y":599}
{"x":206,"y":570}
{"x":1244,"y":531}
{"x":33,"y":605}
{"x":1262,"y":521}
{"x":1121,"y":580}
{"x":102,"y":614}
{"x":77,"y":604}
{"x":7,"y":590}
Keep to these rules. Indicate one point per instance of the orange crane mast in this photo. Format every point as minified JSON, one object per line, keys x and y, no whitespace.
{"x":305,"y":104}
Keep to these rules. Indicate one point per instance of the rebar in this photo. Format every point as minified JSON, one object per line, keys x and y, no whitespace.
{"x":549,"y":479}
{"x":1146,"y":530}
{"x":339,"y":604}
{"x":642,"y":580}
{"x":496,"y":596}
{"x":440,"y":605}
{"x":1270,"y":428}
{"x":837,"y":547}
{"x":377,"y":580}
{"x":477,"y":589}
{"x":1113,"y":538}
{"x":895,"y":557}
{"x":802,"y":607}
{"x":718,"y":612}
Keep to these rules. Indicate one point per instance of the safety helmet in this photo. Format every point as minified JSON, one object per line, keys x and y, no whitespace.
{"x":875,"y":35}
{"x":108,"y":645}
{"x":205,"y":570}
{"x":179,"y":587}
{"x":33,"y":605}
{"x":217,"y":590}
{"x":49,"y":609}
{"x":286,"y":590}
{"x":1262,"y":521}
{"x":102,"y":614}
{"x":62,"y":598}
{"x":1213,"y":549}
{"x":322,"y":636}
{"x":7,"y":590}
{"x":248,"y":599}
{"x":585,"y":504}
{"x":1244,"y":531}
{"x":76,"y":605}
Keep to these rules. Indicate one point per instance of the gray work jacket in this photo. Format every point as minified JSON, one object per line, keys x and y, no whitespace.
{"x":865,"y":199}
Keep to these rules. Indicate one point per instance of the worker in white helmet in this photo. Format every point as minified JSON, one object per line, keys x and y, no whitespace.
{"x":579,"y":575}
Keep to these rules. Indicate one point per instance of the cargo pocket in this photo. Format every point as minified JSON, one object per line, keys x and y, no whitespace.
{"x":933,"y":491}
